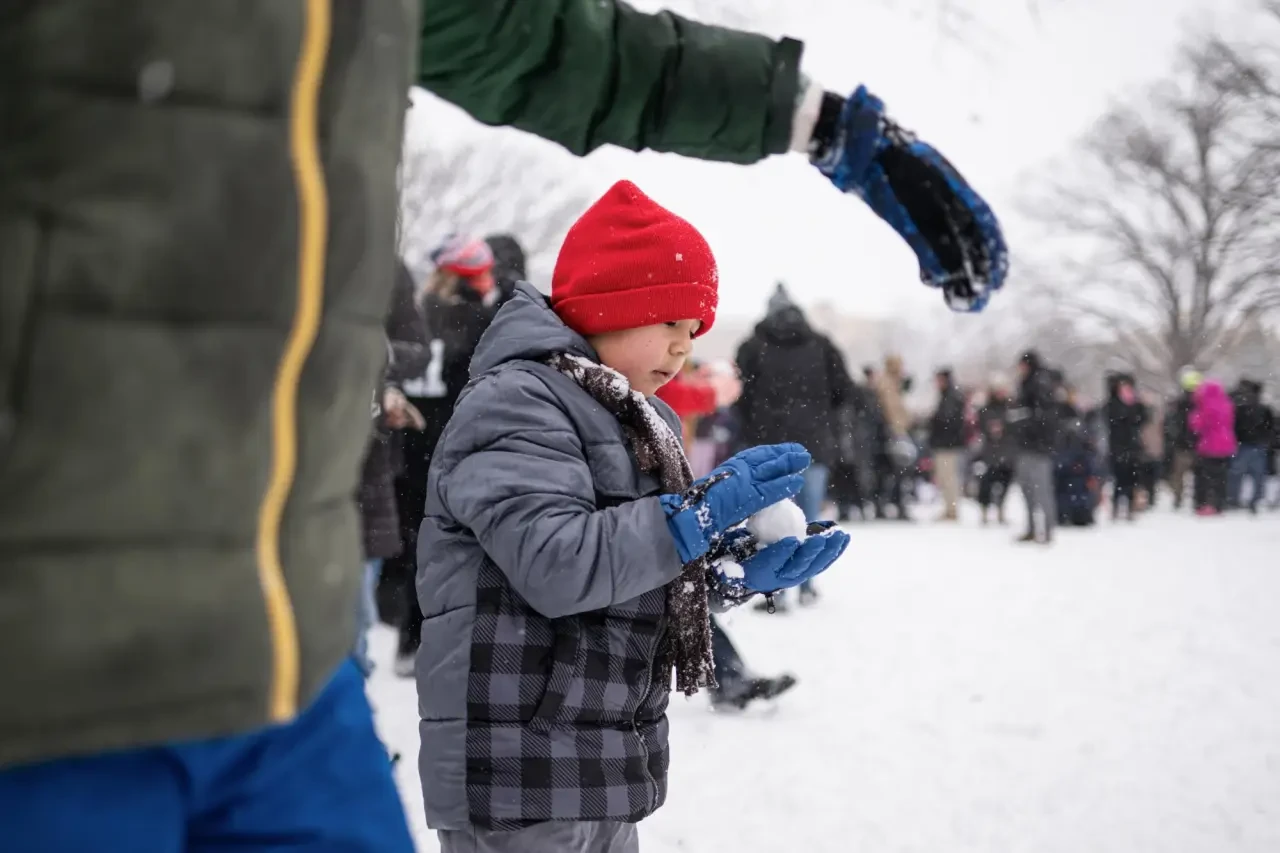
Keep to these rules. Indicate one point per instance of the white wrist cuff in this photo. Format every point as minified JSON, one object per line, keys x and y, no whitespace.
{"x":808,"y":106}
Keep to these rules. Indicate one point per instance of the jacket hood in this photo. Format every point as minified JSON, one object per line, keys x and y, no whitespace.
{"x":779,"y":300}
{"x":1211,"y":393}
{"x":1249,"y":391}
{"x":526,"y":328}
{"x":508,"y":257}
{"x":785,"y":325}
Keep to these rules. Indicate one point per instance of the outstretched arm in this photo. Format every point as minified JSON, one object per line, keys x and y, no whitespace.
{"x":586,"y":73}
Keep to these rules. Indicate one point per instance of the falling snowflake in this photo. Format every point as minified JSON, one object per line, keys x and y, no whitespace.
{"x":679,"y":256}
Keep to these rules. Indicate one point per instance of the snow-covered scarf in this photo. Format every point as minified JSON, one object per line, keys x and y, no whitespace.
{"x":660,"y":454}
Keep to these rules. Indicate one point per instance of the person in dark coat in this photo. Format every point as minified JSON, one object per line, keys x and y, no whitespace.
{"x":947,"y":429}
{"x":1273,"y":459}
{"x":392,"y":414}
{"x":1035,"y":422}
{"x":998,"y":452}
{"x":1255,"y":425}
{"x":457,"y":304}
{"x":1126,"y":416}
{"x":508,"y":263}
{"x":859,"y":431}
{"x":376,"y":500}
{"x":794,"y":382}
{"x":1179,"y":441}
{"x":1075,"y":472}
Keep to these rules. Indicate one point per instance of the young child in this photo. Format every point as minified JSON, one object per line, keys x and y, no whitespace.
{"x":567,"y":563}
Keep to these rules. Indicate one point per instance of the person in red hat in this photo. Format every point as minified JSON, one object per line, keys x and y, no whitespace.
{"x":569,"y":562}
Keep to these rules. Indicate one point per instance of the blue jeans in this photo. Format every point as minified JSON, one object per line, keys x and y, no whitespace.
{"x":814,"y":493}
{"x":1251,"y":463}
{"x":318,"y":784}
{"x":811,"y":498}
{"x":367,"y":613}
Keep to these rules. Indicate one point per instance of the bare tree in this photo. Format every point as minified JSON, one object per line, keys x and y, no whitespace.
{"x":1172,"y":215}
{"x":487,"y":183}
{"x":1250,"y":68}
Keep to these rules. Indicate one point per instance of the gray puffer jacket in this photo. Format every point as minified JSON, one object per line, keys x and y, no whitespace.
{"x":542,"y":562}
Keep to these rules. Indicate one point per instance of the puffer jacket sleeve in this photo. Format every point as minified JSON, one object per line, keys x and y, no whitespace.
{"x":586,"y":73}
{"x":516,"y":475}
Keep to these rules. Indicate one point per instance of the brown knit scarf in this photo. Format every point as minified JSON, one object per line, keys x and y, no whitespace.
{"x":659,"y":452}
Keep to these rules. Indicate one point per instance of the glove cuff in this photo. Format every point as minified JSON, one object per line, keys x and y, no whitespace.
{"x":826,"y":127}
{"x":808,"y":108}
{"x":682,"y":521}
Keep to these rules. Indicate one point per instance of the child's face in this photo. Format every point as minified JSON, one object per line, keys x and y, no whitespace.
{"x":649,"y":356}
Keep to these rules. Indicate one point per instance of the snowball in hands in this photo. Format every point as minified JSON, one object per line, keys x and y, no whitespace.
{"x":777,"y":522}
{"x":731,"y":570}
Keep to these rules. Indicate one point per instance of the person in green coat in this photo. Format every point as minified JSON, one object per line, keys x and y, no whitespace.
{"x":197,"y":235}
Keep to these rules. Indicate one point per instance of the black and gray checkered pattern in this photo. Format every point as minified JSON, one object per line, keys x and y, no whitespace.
{"x":565,"y":716}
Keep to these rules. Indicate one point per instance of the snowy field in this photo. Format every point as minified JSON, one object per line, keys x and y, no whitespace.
{"x":1116,"y":693}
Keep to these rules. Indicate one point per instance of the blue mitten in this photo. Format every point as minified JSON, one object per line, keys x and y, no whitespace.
{"x":790,"y":562}
{"x":742,"y":486}
{"x":913,"y":188}
{"x":744,"y":568}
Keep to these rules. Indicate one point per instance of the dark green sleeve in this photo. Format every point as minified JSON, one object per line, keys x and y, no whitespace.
{"x":586,"y":73}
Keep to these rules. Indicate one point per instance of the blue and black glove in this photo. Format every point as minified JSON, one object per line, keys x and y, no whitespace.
{"x":786,"y":563}
{"x":739,"y":488}
{"x":917,"y":192}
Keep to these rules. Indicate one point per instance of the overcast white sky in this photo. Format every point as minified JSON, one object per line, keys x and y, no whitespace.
{"x":1001,"y":97}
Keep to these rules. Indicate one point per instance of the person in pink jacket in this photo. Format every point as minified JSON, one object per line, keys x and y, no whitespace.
{"x":1213,"y":421}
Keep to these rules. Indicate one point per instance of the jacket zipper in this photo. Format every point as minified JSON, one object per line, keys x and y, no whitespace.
{"x":644,"y":694}
{"x":313,"y":226}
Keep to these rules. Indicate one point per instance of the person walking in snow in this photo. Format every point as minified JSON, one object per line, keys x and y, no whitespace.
{"x":794,"y":382}
{"x":1212,"y":422}
{"x":1035,"y":420}
{"x":376,"y":498}
{"x":947,"y":430}
{"x":998,"y":452}
{"x":1125,"y":416}
{"x":1255,"y":424}
{"x":1153,"y":453}
{"x":568,"y":557}
{"x":898,"y":459}
{"x":1075,"y":479}
{"x":240,"y":257}
{"x":1179,"y":441}
{"x":858,"y":438}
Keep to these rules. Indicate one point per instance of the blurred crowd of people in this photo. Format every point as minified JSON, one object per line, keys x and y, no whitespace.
{"x":875,"y":457}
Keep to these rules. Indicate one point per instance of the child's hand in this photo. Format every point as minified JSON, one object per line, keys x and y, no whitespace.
{"x":742,"y":486}
{"x":789,"y":562}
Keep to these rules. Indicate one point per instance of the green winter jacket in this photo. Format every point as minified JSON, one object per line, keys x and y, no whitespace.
{"x":197,"y":230}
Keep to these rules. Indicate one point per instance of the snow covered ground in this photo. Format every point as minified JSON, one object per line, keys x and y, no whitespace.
{"x":1117,"y":693}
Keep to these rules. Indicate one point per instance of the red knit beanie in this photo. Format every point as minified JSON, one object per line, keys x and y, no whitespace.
{"x":629,"y":262}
